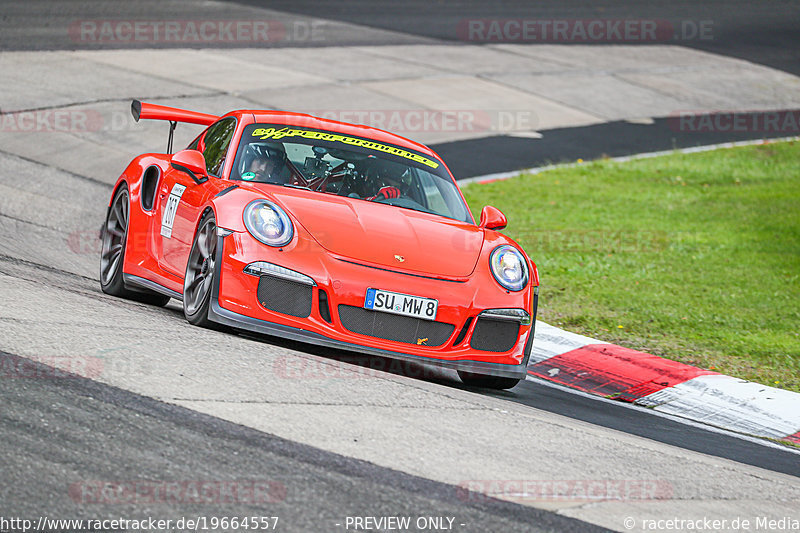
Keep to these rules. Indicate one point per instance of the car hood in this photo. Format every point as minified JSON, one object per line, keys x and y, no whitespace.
{"x":384,"y":235}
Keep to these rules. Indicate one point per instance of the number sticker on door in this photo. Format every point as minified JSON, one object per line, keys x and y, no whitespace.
{"x":168,"y":217}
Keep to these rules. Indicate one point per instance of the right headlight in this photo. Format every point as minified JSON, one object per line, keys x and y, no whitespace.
{"x":509,"y":267}
{"x":268,"y":223}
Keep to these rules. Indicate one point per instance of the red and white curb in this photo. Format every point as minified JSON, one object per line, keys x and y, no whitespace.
{"x":666,"y":386}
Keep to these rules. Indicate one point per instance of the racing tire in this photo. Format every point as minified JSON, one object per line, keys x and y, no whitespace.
{"x":487,"y":382}
{"x":198,"y":283}
{"x":114,"y":239}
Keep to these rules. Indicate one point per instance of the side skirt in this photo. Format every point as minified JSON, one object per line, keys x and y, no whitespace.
{"x":136,"y":282}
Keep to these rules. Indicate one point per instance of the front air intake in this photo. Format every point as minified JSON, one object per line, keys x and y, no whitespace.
{"x":494,"y":335}
{"x":395,"y":327}
{"x":285,"y":296}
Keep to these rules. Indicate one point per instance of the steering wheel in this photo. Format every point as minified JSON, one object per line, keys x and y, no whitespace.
{"x":346,"y":173}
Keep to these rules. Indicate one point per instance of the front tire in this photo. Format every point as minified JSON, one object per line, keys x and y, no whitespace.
{"x":201,"y":269}
{"x":487,"y":382}
{"x":114,"y":238}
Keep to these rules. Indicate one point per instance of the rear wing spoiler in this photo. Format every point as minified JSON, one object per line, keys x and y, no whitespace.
{"x":141,"y":110}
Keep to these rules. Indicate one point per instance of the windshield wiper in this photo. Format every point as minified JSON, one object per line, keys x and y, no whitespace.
{"x":292,"y":185}
{"x":422,"y":210}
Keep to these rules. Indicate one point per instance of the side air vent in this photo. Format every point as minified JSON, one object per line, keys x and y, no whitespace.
{"x":324,"y":307}
{"x":149,"y":186}
{"x":463,"y":332}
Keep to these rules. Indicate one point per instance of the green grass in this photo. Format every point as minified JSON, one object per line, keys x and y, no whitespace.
{"x":693,"y":257}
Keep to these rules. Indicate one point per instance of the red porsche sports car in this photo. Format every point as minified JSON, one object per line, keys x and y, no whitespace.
{"x":324,"y":232}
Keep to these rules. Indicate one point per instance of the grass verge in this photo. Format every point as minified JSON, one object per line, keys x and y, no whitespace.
{"x":693,"y":257}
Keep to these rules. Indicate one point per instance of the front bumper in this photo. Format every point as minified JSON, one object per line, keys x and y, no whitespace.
{"x":234,"y":302}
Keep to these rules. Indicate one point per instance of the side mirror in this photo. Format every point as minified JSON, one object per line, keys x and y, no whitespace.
{"x":492,"y":218}
{"x":193,"y":163}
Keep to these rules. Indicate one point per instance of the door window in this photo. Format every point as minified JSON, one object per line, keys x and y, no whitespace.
{"x":215,"y":144}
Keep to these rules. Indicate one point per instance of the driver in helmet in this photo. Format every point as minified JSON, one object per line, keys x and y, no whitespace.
{"x":388,"y":177}
{"x":264,"y":162}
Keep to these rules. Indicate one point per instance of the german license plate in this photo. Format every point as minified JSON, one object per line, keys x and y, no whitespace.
{"x":401,"y":304}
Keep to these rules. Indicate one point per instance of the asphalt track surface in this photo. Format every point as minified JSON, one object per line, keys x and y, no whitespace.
{"x":67,"y":428}
{"x":75,"y":424}
{"x":762,"y":32}
{"x":619,"y":416}
{"x":488,"y":155}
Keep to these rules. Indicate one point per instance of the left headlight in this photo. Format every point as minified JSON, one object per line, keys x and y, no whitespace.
{"x":268,"y":223}
{"x":509,"y":267}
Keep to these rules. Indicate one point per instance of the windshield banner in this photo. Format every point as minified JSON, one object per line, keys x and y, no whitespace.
{"x":276,"y":134}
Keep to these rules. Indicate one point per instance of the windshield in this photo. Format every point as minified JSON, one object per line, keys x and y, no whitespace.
{"x":333,"y":163}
